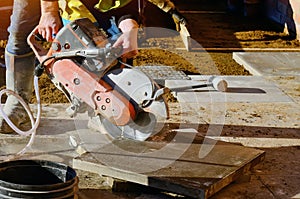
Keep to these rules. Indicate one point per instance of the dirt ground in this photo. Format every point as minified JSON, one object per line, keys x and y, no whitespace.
{"x":214,"y":28}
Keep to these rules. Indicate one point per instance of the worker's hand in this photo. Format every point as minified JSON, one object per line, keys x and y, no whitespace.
{"x":128,"y":39}
{"x":50,"y":21}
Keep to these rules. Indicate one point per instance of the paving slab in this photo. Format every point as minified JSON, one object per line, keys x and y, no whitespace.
{"x":186,"y":175}
{"x":251,"y":121}
{"x":247,"y":89}
{"x":269,"y":63}
{"x":288,"y":84}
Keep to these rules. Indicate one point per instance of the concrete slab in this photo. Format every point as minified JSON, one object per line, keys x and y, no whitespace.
{"x":269,"y":63}
{"x":259,"y":142}
{"x":255,"y":122}
{"x":157,"y":165}
{"x":289,"y":85}
{"x":246,"y":89}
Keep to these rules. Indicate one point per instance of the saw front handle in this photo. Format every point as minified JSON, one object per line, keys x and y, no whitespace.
{"x":36,"y":44}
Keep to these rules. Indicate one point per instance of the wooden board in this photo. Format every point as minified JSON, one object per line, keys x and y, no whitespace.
{"x":160,"y":165}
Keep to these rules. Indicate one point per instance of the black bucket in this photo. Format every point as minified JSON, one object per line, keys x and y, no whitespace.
{"x":37,"y":179}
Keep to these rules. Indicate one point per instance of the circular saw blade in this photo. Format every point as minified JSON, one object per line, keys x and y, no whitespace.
{"x":139,"y":129}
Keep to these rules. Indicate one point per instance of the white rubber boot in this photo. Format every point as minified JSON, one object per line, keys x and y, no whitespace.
{"x":19,"y":78}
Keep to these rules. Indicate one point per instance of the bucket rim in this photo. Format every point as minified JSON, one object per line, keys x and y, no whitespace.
{"x":41,"y":163}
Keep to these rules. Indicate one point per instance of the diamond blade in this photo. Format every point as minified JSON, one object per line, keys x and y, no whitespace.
{"x":139,"y":129}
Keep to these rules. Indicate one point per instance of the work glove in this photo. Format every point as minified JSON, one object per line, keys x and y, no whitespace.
{"x":178,"y":18}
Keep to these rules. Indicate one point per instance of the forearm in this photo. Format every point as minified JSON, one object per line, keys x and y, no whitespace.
{"x":50,"y":21}
{"x":49,"y":6}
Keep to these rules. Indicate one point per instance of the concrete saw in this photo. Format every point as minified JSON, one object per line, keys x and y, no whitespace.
{"x":120,"y":99}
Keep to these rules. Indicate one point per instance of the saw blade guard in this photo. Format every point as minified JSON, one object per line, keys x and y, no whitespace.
{"x":139,"y":88}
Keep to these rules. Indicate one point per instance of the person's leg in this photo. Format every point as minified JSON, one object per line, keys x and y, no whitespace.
{"x":25,"y":17}
{"x":19,"y":60}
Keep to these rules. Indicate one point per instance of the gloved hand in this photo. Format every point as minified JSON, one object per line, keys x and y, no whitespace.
{"x":178,"y":18}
